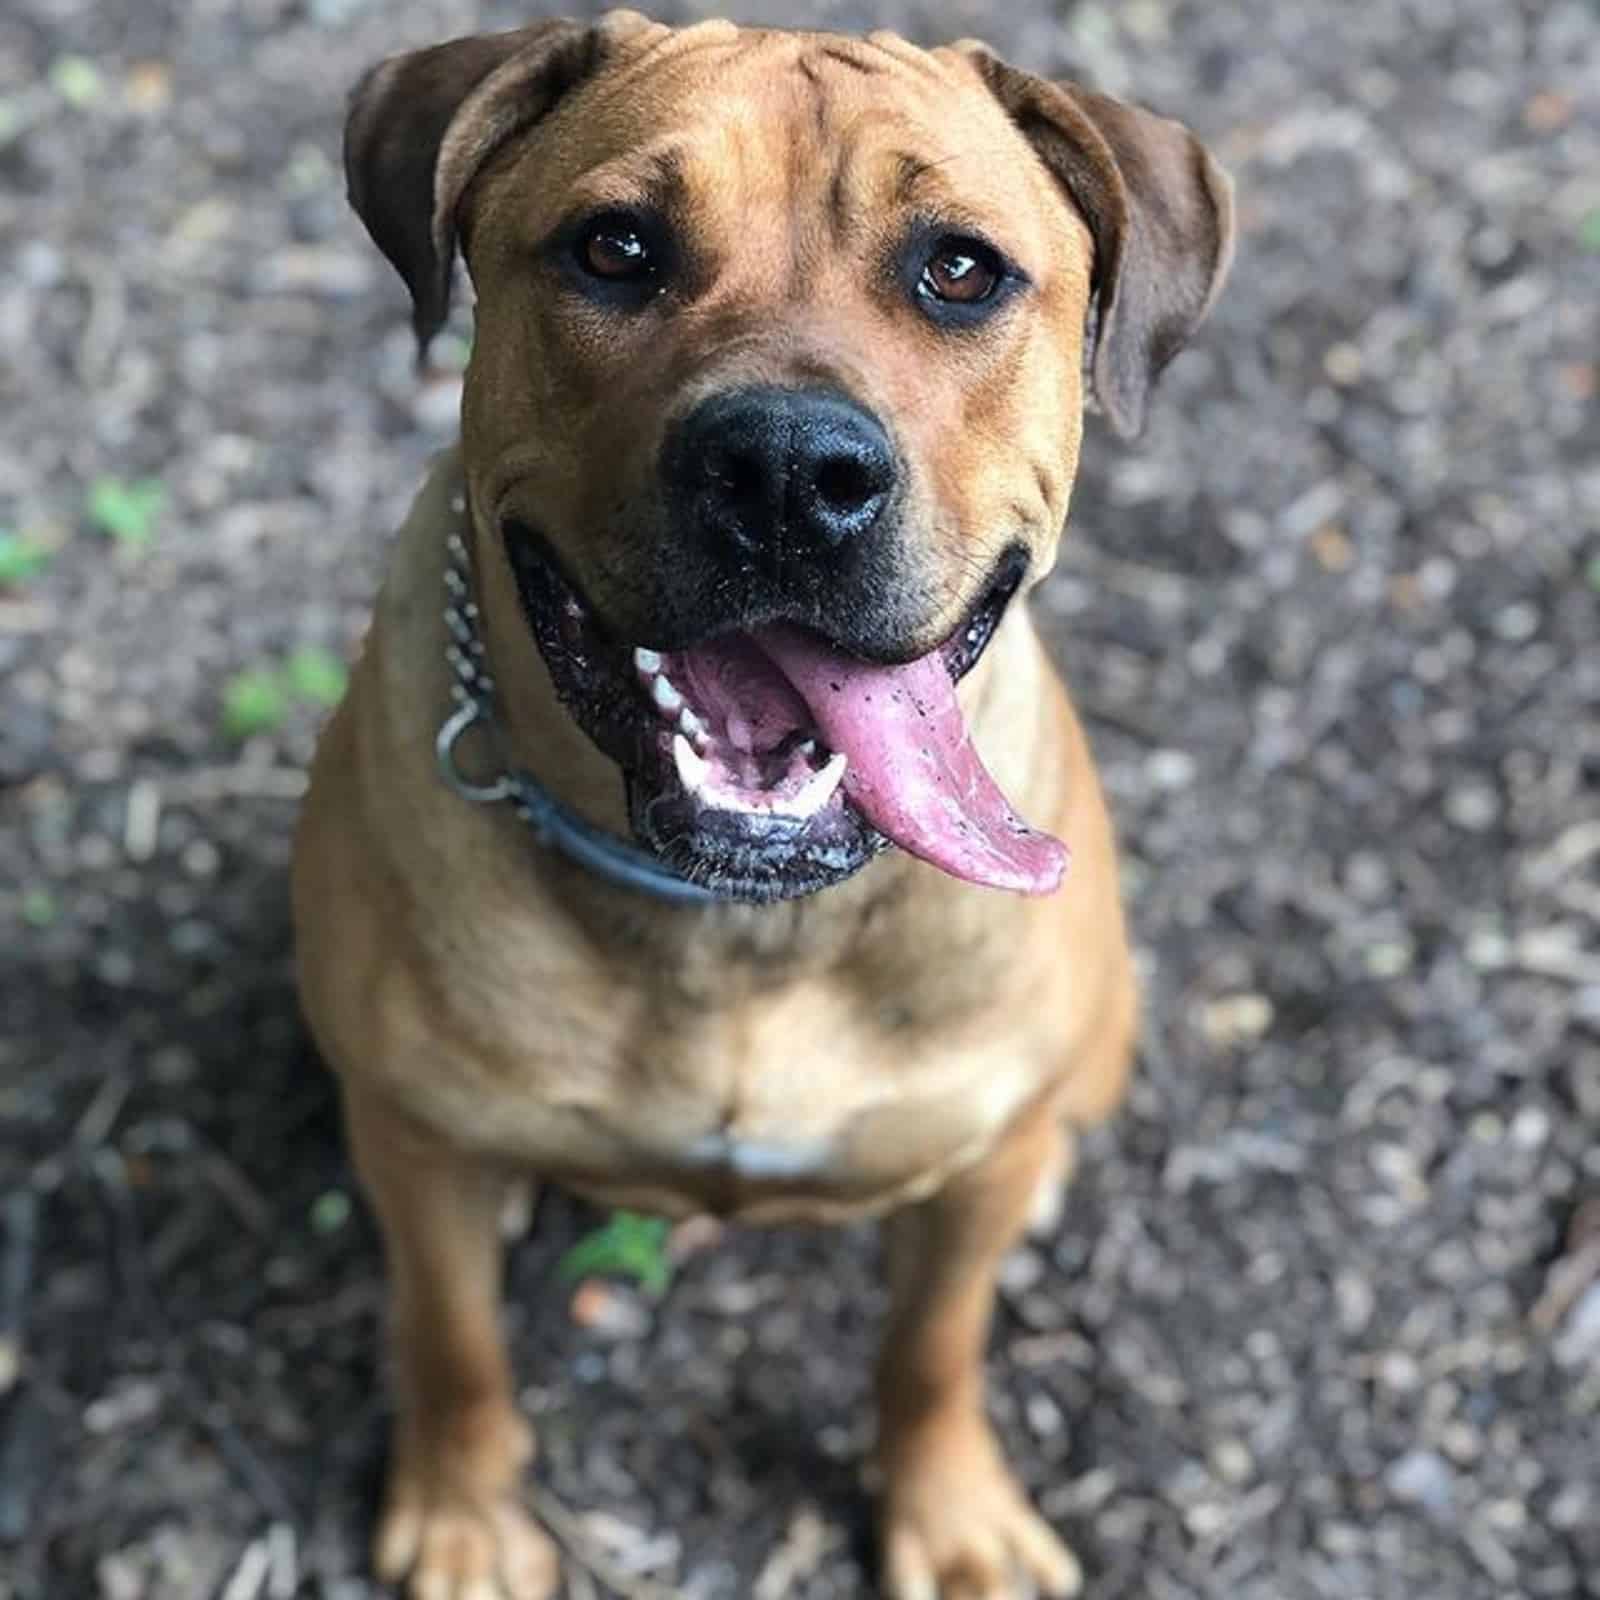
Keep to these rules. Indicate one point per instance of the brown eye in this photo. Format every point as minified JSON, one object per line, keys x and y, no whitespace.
{"x":962,"y":272}
{"x":613,"y":250}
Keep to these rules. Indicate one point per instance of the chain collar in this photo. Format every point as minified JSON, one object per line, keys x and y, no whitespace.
{"x":554,"y":825}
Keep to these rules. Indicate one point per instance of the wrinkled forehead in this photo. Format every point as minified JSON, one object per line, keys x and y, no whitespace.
{"x":819,"y":127}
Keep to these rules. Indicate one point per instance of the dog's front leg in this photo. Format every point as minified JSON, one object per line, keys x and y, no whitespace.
{"x":955,"y":1524}
{"x":452,"y":1519}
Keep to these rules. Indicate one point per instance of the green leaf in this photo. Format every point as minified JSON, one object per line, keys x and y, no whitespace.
{"x":77,"y":80}
{"x":316,"y":676}
{"x":628,"y":1246}
{"x":1592,"y":573}
{"x":253,"y":702}
{"x":126,"y":511}
{"x":39,"y":908}
{"x":330,"y":1211}
{"x":21,"y":558}
{"x":1589,"y":230}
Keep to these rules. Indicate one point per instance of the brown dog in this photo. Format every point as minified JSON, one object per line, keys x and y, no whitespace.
{"x":773,"y":411}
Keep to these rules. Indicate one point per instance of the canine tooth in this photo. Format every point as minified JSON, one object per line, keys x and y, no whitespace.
{"x":692,"y":767}
{"x":818,"y":789}
{"x":666,"y":696}
{"x":809,"y":748}
{"x":647,"y":661}
{"x":691,"y":724}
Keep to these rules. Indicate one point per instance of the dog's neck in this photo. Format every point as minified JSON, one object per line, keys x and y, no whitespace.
{"x":761,"y":943}
{"x":554,"y":824}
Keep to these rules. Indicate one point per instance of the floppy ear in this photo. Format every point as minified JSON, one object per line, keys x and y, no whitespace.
{"x":1160,"y":211}
{"x":422,"y":125}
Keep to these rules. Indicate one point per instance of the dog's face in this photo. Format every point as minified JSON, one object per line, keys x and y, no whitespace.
{"x":777,"y":390}
{"x":807,"y":316}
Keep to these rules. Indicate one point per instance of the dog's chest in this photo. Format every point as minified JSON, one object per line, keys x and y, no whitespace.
{"x":801,"y":1104}
{"x":804,"y":1076}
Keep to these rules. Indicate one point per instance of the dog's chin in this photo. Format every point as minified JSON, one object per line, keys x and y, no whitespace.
{"x":727,"y":780}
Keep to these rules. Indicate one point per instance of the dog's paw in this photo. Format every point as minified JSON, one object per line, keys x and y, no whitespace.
{"x":466,"y":1552}
{"x":956,"y":1526}
{"x":452,"y":1534}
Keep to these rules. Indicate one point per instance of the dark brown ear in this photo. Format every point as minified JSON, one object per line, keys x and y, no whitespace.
{"x":1159,"y":208}
{"x":422,"y":125}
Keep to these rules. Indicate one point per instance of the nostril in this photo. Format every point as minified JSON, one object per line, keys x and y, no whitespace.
{"x":844,"y":484}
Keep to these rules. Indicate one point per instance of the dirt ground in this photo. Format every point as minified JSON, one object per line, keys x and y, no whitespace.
{"x":1320,"y":1320}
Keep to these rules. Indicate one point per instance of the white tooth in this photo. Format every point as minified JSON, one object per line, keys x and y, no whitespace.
{"x":819,"y":788}
{"x":809,"y":748}
{"x":692,"y":768}
{"x":647,"y":661}
{"x":691,"y":724}
{"x":666,"y":696}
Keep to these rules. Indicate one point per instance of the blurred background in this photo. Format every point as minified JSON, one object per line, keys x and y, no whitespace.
{"x":1322,"y":1318}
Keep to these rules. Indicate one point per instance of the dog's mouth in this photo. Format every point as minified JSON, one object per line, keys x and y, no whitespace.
{"x":769,"y":763}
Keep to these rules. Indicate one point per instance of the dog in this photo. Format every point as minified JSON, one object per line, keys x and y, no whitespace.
{"x":695,"y":830}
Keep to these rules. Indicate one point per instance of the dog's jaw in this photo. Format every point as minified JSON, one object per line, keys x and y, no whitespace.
{"x":748,"y":765}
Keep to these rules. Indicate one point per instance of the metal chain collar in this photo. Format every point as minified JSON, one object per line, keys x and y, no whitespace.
{"x":554,"y":825}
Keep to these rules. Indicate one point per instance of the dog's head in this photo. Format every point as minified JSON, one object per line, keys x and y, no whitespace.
{"x":776,"y":393}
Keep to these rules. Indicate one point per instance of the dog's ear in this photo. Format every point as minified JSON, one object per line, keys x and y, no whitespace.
{"x":422,"y":125}
{"x":1160,"y":211}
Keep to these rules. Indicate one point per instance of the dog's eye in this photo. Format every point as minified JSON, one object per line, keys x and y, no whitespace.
{"x":962,"y":272}
{"x":612,"y":248}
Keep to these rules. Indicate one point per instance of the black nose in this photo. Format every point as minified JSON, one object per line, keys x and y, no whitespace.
{"x":771,"y":472}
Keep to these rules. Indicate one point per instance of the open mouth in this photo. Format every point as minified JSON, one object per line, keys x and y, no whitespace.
{"x":769,"y":763}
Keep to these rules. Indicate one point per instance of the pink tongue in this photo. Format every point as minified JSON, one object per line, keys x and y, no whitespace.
{"x":913,"y":772}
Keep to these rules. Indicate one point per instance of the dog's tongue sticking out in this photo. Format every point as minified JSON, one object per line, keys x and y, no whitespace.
{"x":913,"y":771}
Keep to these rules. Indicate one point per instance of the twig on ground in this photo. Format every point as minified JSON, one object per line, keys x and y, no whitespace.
{"x":19,"y":1238}
{"x":1579,"y":844}
{"x":1578,"y":1267}
{"x":284,"y":1572}
{"x":1554,"y":952}
{"x":25,"y":1442}
{"x":173,"y":1136}
{"x":141,"y":828}
{"x":101,"y":1114}
{"x":580,"y":1549}
{"x":1584,"y":898}
{"x":246,"y":1201}
{"x":102,"y":328}
{"x":210,"y":784}
{"x":804,"y":1546}
{"x":250,"y":1576}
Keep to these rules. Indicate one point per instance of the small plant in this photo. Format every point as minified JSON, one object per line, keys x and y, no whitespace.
{"x":21,"y":558}
{"x":259,"y":699}
{"x":628,"y":1246}
{"x":77,"y":80}
{"x":39,"y":907}
{"x":253,"y":702}
{"x":330,"y":1211}
{"x":315,"y":676}
{"x":1589,"y":230}
{"x":126,"y":511}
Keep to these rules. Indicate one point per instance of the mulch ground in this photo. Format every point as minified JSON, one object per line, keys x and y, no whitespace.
{"x":1320,"y":1320}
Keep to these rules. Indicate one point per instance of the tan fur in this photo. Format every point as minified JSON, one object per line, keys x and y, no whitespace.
{"x":915,"y":1043}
